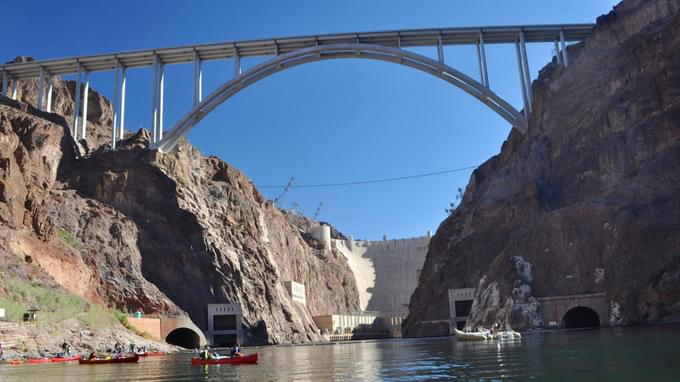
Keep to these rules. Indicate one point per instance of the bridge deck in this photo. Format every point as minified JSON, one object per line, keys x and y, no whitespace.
{"x":254,"y":48}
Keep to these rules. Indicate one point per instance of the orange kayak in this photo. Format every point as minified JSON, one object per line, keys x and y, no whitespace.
{"x":252,"y":358}
{"x":15,"y":361}
{"x":155,"y":353}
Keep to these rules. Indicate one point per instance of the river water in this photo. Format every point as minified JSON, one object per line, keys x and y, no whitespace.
{"x":631,"y":354}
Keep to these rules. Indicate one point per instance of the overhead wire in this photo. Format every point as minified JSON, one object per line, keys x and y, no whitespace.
{"x":369,"y":181}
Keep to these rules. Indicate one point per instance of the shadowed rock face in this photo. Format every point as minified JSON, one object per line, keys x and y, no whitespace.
{"x":161,"y":233}
{"x":588,"y":200}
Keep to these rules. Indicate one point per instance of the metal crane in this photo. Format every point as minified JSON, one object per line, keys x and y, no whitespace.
{"x":318,"y":209}
{"x":285,"y":190}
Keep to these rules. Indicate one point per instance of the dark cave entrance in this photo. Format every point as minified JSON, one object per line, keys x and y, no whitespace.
{"x":183,"y":337}
{"x":580,"y":317}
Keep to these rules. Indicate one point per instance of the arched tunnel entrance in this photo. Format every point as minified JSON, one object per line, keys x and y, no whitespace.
{"x":580,"y":317}
{"x":184,"y":337}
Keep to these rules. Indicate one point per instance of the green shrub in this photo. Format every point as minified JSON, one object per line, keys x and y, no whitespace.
{"x":69,"y":239}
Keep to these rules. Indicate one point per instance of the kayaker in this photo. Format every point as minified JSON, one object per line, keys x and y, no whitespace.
{"x":92,"y":356}
{"x":205,"y":354}
{"x":236,"y":350}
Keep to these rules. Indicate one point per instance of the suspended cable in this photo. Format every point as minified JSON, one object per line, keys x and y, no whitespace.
{"x":382,"y":180}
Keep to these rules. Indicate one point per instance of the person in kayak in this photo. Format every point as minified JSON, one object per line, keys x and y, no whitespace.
{"x":236,"y":350}
{"x":205,"y":353}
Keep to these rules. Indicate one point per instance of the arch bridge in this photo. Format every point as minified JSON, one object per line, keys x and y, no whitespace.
{"x":285,"y":53}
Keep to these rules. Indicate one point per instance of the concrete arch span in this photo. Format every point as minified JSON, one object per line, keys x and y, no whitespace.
{"x":337,"y":51}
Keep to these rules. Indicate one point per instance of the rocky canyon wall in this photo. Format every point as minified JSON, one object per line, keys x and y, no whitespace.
{"x":588,"y":200}
{"x":165,"y":233}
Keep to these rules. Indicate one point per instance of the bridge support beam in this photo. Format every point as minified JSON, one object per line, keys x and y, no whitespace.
{"x":521,"y":80}
{"x":50,"y":83}
{"x":4,"y":83}
{"x":83,"y":123}
{"x":76,"y":105}
{"x":558,"y":55}
{"x":114,"y":124}
{"x":440,"y":49}
{"x":481,"y":57}
{"x":237,"y":63}
{"x":41,"y":88}
{"x":563,"y":43}
{"x":15,"y":86}
{"x":525,"y":68}
{"x":198,"y":79}
{"x":157,"y":100}
{"x":121,"y":106}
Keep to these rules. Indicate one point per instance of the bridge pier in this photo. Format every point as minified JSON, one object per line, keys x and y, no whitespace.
{"x":50,"y":81}
{"x":525,"y":68}
{"x":563,"y":43}
{"x":157,"y":100}
{"x":481,"y":57}
{"x":83,"y":121}
{"x":76,"y":106}
{"x":525,"y":97}
{"x":114,"y":123}
{"x":121,"y":104}
{"x":198,"y":79}
{"x":41,"y":88}
{"x":237,"y":62}
{"x":4,"y":83}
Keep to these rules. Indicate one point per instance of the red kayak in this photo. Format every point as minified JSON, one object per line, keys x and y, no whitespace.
{"x":252,"y":358}
{"x":55,"y":359}
{"x":65,"y":359}
{"x":99,"y":361}
{"x":38,"y":360}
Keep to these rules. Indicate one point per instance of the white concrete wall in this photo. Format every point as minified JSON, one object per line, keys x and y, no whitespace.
{"x":386,"y":272}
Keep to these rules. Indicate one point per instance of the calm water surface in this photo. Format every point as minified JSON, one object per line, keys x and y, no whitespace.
{"x":647,"y":354}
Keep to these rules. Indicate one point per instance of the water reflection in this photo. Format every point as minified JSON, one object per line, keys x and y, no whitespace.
{"x":630,"y":354}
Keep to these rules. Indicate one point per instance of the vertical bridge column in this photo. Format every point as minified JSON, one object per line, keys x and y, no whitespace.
{"x":83,"y":123}
{"x":76,"y":105}
{"x":4,"y":83}
{"x":14,"y":89}
{"x":198,"y":79}
{"x":481,"y":56}
{"x":157,"y":100}
{"x":565,"y":59}
{"x":41,"y":88}
{"x":440,"y":49}
{"x":114,"y":123}
{"x":50,"y":82}
{"x":558,"y":55}
{"x":237,"y":62}
{"x":525,"y":68}
{"x":121,"y":105}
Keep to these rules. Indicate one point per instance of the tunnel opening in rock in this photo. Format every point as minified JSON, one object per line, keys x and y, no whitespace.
{"x":183,"y":337}
{"x":580,"y":317}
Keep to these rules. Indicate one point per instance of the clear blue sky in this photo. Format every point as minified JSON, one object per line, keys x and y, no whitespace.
{"x":333,"y":121}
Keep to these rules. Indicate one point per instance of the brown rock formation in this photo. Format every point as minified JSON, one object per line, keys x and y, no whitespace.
{"x":164,"y":233}
{"x":588,"y":200}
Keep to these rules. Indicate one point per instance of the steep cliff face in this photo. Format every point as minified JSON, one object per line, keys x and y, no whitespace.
{"x":588,"y":200}
{"x":164,"y":233}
